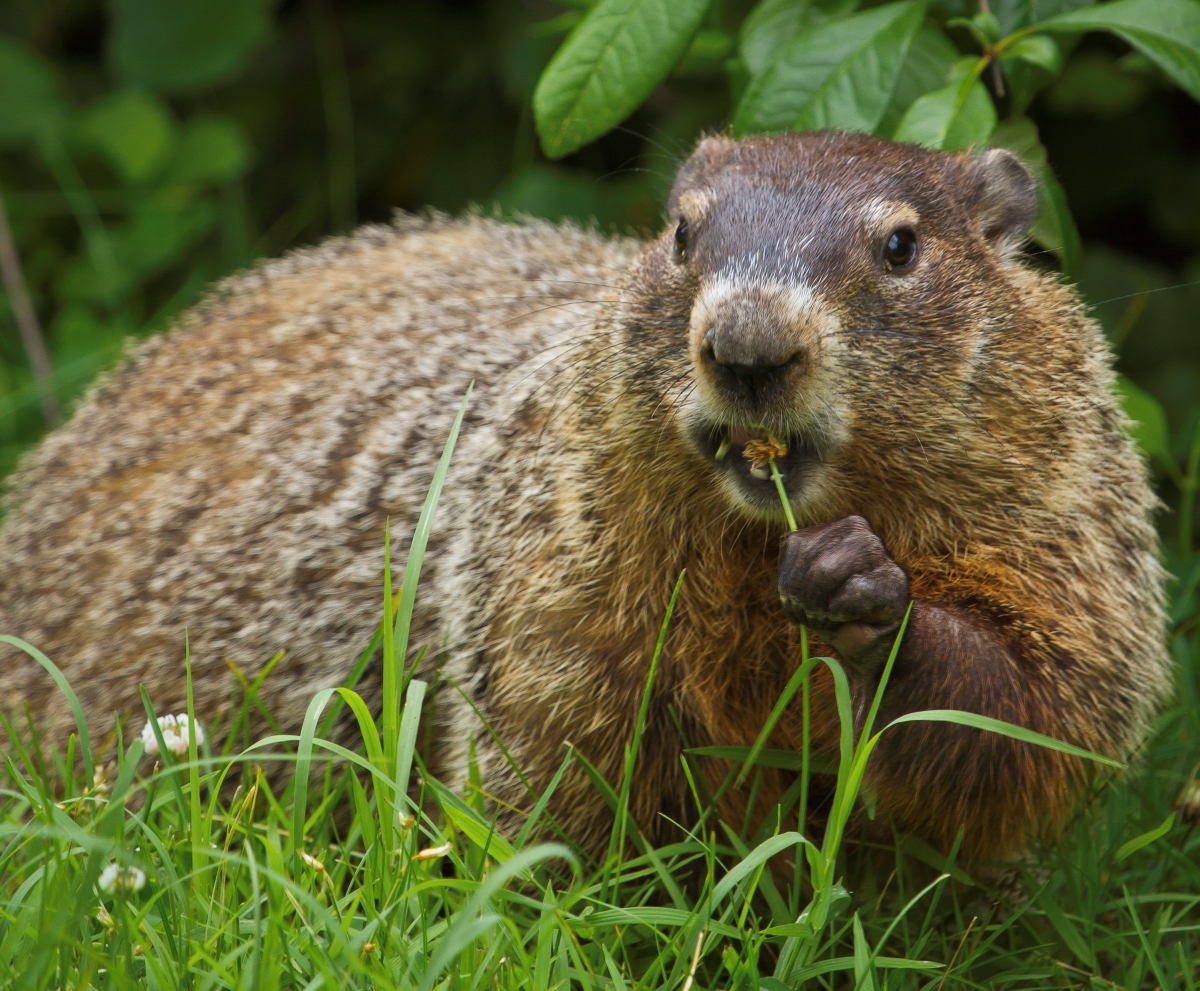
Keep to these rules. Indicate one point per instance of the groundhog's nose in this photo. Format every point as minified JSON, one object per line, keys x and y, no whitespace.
{"x":753,"y":382}
{"x":749,"y":368}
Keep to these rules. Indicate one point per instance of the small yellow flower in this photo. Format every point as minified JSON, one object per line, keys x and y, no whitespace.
{"x":368,"y":947}
{"x":760,"y":452}
{"x":405,"y":821}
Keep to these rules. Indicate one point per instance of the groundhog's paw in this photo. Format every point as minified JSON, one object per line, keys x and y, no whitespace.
{"x":838,"y":580}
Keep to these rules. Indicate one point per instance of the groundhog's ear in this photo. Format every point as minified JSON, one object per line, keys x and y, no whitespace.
{"x":1004,"y":198}
{"x":710,"y":155}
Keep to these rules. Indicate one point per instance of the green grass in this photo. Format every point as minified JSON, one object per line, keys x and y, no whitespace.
{"x":277,"y":887}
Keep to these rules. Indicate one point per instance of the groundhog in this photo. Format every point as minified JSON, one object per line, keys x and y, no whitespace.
{"x":952,"y":439}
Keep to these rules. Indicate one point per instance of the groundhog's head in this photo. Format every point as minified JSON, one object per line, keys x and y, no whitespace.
{"x":808,"y":275}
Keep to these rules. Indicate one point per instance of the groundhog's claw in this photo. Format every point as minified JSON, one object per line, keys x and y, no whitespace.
{"x":838,"y":580}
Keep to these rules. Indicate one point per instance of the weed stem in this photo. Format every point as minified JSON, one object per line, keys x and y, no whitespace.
{"x":787,"y":506}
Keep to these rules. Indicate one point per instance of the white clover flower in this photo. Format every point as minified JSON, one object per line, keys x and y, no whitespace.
{"x":116,"y":878}
{"x":175,"y":732}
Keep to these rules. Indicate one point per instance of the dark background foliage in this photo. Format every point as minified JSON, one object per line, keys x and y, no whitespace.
{"x":147,"y":149}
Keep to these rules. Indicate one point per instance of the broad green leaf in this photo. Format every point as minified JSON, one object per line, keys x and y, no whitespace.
{"x":132,"y":129}
{"x":1166,"y":31}
{"x":1054,"y":228}
{"x":959,"y":115}
{"x":1149,"y":426}
{"x":1039,"y":50}
{"x":184,"y":44}
{"x":30,"y":106}
{"x":1016,"y":14}
{"x":839,"y":75}
{"x":1003,"y":729}
{"x":1135,"y":844}
{"x":983,"y":26}
{"x":214,"y":151}
{"x":930,"y":60}
{"x":608,"y":65}
{"x":773,"y":23}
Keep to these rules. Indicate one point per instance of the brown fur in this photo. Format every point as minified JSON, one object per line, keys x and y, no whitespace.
{"x":234,"y":477}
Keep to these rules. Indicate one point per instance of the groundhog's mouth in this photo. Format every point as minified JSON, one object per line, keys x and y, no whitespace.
{"x":726,"y":447}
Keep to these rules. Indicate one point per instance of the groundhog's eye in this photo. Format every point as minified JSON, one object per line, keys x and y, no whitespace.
{"x":901,"y":248}
{"x":681,"y":236}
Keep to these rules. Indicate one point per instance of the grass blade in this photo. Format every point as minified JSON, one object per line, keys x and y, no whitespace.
{"x":1003,"y":729}
{"x":60,"y":679}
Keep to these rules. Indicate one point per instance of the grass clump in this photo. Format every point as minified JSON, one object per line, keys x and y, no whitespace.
{"x":111,"y":877}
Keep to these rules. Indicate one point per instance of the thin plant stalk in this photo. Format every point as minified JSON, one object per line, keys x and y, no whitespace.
{"x":783,"y":499}
{"x":27,"y":322}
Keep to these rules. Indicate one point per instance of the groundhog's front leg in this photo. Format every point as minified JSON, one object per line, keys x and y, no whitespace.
{"x":838,"y":580}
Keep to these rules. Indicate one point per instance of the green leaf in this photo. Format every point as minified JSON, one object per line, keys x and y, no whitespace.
{"x":214,"y":152}
{"x":773,"y":23}
{"x":184,"y":44}
{"x":30,"y":106}
{"x":1149,"y":427}
{"x":864,"y":978}
{"x":1135,"y":844}
{"x":471,"y":824}
{"x":839,"y":75}
{"x":959,"y":115}
{"x":930,"y":60}
{"x":983,"y":26}
{"x":759,"y":855}
{"x":608,"y":65}
{"x":1166,"y":31}
{"x":52,"y":669}
{"x":1003,"y":729}
{"x":1039,"y":50}
{"x":1016,"y":14}
{"x":132,"y":129}
{"x":649,"y":915}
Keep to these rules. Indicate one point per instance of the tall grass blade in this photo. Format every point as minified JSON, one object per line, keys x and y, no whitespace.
{"x":1134,"y":845}
{"x":407,"y":740}
{"x":304,"y":751}
{"x":416,"y":550}
{"x":85,"y":741}
{"x":1003,"y":729}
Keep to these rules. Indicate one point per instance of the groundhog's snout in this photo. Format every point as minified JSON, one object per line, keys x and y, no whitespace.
{"x":753,"y":345}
